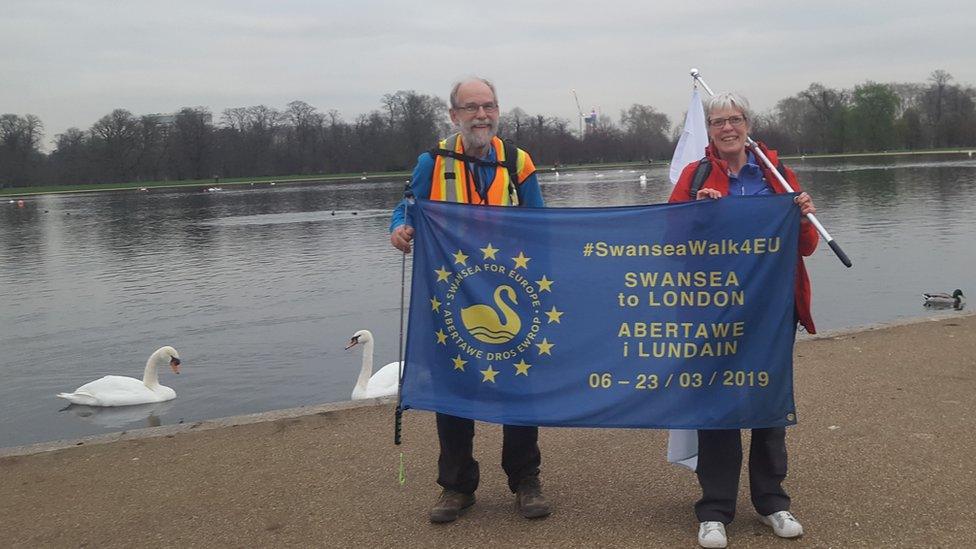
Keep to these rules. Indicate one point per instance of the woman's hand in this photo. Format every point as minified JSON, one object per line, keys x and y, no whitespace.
{"x":805,"y":203}
{"x":707,"y":193}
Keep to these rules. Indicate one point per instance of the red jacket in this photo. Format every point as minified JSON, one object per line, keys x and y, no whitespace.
{"x":718,"y":179}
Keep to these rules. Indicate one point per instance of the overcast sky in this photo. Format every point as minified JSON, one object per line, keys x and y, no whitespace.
{"x":71,"y":62}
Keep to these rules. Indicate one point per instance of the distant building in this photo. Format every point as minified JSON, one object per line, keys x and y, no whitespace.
{"x":590,"y":119}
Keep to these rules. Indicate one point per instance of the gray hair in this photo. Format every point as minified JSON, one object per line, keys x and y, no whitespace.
{"x":727,"y":100}
{"x":457,"y":85}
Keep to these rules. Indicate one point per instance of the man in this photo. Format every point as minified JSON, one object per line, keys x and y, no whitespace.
{"x":474,"y":166}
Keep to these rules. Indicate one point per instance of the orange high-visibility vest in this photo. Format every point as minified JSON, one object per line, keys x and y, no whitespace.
{"x":453,"y":182}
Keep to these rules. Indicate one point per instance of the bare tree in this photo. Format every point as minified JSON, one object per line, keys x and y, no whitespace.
{"x":71,"y":158}
{"x":115,"y":144}
{"x":20,"y":137}
{"x":645,"y":133}
{"x":192,"y":144}
{"x":303,"y":135}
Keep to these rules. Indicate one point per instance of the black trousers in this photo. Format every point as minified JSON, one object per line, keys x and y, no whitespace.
{"x":719,"y":465}
{"x":456,"y":467}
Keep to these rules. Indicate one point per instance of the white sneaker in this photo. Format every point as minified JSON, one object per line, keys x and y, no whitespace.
{"x":712,"y":534}
{"x":784,"y":524}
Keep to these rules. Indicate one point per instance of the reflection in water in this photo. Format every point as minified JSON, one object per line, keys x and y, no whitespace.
{"x":260,"y":286}
{"x":118,"y":417}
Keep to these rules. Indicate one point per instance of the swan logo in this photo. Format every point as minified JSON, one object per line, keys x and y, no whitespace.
{"x":492,"y":310}
{"x":483,"y":323}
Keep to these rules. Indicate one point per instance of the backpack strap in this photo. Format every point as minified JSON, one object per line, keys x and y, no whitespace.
{"x":511,"y":164}
{"x":781,"y":169}
{"x":702,"y":171}
{"x":451,"y":144}
{"x":511,"y":161}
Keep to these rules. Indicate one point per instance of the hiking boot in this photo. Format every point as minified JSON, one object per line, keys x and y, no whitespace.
{"x":529,"y":499}
{"x":450,"y":505}
{"x":711,"y":534}
{"x":784,"y":524}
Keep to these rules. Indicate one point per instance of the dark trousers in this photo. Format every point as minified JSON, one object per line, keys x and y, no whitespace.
{"x":456,"y":467}
{"x":719,"y":465}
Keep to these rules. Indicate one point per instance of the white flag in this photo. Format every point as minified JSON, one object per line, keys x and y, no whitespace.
{"x":682,"y":444}
{"x":693,"y":140}
{"x":683,"y":448}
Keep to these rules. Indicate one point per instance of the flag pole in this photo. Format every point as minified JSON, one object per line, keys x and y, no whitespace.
{"x":772,"y":169}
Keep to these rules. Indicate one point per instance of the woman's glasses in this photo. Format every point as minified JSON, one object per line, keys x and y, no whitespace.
{"x":736,"y":121}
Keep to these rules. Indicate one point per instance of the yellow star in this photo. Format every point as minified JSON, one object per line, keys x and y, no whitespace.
{"x":489,"y":374}
{"x":544,"y":347}
{"x":460,"y":258}
{"x":489,"y":251}
{"x":521,"y":261}
{"x":442,"y":274}
{"x":435,"y":305}
{"x":441,"y":337}
{"x":459,"y":363}
{"x":521,"y":368}
{"x":545,"y":285}
{"x":554,"y":315}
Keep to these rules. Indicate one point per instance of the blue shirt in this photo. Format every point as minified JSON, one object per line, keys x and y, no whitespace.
{"x":749,"y":180}
{"x":529,"y":194}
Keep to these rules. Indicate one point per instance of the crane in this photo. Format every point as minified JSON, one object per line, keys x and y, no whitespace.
{"x":580,"y":111}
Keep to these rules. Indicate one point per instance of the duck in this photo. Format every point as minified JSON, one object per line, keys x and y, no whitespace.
{"x":944,"y":300}
{"x":385,"y":382}
{"x":129,"y":391}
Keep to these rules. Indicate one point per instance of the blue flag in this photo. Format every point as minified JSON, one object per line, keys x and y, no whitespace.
{"x":664,"y":316}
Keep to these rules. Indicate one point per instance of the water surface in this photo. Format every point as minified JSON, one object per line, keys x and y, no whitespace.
{"x":260,"y":287}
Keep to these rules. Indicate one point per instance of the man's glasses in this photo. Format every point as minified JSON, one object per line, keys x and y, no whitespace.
{"x":736,"y":121}
{"x":472,"y":108}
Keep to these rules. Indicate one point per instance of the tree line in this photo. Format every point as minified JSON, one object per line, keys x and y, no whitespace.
{"x":874,"y":117}
{"x":302,"y":140}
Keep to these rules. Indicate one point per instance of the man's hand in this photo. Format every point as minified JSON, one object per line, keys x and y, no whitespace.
{"x":401,"y":237}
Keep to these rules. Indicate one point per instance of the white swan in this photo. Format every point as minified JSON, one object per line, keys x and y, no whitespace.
{"x":126,"y":391}
{"x":385,"y":382}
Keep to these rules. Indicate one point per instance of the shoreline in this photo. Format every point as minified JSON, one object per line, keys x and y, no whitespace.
{"x":303,"y":411}
{"x":195,"y":426}
{"x":351,"y":178}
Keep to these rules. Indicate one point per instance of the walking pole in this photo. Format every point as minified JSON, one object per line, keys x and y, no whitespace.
{"x":772,"y":169}
{"x":398,"y":415}
{"x":398,"y":421}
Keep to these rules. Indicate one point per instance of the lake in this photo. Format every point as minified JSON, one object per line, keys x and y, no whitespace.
{"x":260,"y":287}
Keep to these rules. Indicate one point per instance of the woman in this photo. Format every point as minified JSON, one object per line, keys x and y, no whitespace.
{"x":730,"y":168}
